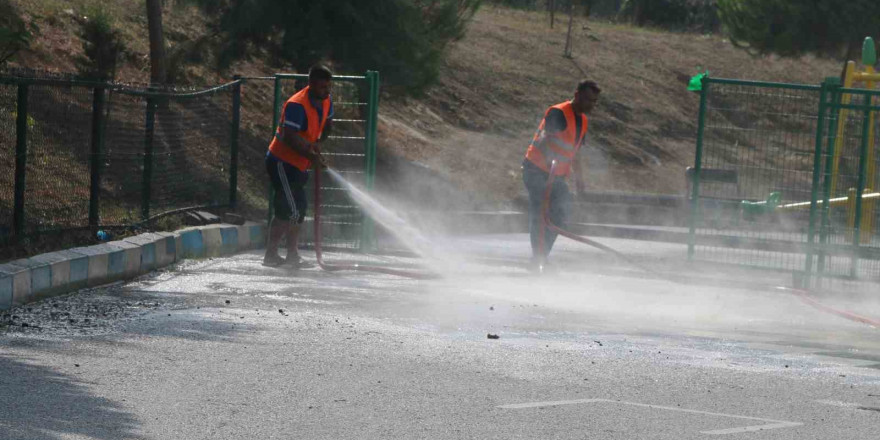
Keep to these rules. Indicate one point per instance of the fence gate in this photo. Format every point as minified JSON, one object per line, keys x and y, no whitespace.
{"x":782,"y":172}
{"x":351,"y":150}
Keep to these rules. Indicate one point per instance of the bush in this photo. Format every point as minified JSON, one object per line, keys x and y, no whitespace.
{"x":404,"y":39}
{"x":792,"y":27}
{"x":102,"y":46}
{"x":15,"y":34}
{"x":672,"y":14}
{"x":522,"y":4}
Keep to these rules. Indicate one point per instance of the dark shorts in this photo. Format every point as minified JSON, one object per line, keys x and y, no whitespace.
{"x":289,"y":183}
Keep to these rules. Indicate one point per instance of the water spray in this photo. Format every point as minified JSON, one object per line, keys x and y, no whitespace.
{"x":353,"y":266}
{"x":546,"y":223}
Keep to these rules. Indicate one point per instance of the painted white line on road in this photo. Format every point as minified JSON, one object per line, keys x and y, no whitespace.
{"x":769,"y":423}
{"x":838,"y":403}
{"x":553,"y":403}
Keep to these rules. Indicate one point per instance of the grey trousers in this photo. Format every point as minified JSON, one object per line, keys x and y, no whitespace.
{"x":535,"y":180}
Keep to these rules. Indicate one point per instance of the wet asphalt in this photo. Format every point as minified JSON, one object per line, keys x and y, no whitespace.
{"x":594,"y":349}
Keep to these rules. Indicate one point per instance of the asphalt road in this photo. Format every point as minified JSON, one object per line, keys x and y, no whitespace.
{"x":228,"y":349}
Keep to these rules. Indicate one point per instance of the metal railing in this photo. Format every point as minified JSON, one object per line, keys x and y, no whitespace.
{"x":90,"y":155}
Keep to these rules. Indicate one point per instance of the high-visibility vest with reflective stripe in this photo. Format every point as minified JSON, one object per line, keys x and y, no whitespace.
{"x":561,"y":146}
{"x":311,"y":133}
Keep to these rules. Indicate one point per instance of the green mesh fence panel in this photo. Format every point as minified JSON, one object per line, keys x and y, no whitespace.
{"x":8,"y":94}
{"x":758,"y":140}
{"x":759,"y":161}
{"x":257,"y":95}
{"x":122,"y":161}
{"x":161,"y":152}
{"x":342,"y":220}
{"x":57,"y":183}
{"x":838,"y":253}
{"x":191,"y":155}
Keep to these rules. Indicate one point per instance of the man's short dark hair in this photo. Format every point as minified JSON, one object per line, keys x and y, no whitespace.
{"x":320,"y":72}
{"x":588,"y":84}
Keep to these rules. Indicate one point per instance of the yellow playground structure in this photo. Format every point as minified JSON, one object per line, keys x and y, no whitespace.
{"x":867,"y":78}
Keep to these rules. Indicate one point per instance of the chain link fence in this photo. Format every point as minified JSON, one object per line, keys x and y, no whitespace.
{"x":84,"y":155}
{"x":90,"y":155}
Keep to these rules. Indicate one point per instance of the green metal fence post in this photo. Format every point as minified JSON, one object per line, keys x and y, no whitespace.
{"x":698,"y":160}
{"x":96,"y":162}
{"x":149,"y":132}
{"x":372,"y":78}
{"x":233,"y":143}
{"x":814,"y":192}
{"x":21,"y":127}
{"x":834,"y":84}
{"x":860,"y":186}
{"x":374,"y":118}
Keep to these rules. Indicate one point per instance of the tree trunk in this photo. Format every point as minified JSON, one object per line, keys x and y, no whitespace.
{"x":567,"y":51}
{"x":158,"y":70}
{"x":639,"y":13}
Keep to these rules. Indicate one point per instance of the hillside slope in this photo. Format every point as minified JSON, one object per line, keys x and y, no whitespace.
{"x":463,"y":141}
{"x":474,"y":126}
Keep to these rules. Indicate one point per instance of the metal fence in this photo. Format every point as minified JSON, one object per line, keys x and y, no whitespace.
{"x":87,"y":155}
{"x":784,"y":178}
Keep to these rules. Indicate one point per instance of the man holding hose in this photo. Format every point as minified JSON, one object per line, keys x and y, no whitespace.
{"x":559,"y":137}
{"x":305,"y":121}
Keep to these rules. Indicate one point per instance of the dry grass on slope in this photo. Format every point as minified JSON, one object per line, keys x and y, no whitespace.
{"x":475,"y":124}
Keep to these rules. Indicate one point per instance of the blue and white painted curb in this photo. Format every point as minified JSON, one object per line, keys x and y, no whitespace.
{"x":56,"y":273}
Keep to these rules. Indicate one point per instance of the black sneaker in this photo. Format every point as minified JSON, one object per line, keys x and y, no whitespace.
{"x":272,"y":260}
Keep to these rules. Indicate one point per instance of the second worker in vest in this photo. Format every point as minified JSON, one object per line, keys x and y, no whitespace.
{"x":305,"y":121}
{"x":559,"y":137}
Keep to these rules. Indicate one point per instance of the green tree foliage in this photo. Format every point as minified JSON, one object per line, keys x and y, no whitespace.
{"x":520,"y":4}
{"x":102,"y":46}
{"x":404,"y":39}
{"x":671,"y":14}
{"x":791,"y":27}
{"x":15,"y":34}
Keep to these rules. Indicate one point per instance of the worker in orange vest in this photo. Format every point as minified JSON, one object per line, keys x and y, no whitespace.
{"x":305,"y":121}
{"x":559,"y":137}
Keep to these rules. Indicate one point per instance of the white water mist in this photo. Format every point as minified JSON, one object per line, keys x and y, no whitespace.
{"x":408,"y":236}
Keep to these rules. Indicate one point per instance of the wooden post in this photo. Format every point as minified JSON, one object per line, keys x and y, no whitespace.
{"x":567,"y":51}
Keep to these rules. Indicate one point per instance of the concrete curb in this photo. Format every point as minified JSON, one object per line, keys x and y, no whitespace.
{"x":57,"y":273}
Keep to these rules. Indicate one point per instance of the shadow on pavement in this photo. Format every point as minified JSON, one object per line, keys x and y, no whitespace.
{"x":41,"y":404}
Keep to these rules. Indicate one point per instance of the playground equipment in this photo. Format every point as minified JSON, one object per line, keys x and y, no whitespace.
{"x":867,"y":77}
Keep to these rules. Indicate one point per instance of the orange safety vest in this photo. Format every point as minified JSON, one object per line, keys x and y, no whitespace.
{"x":561,"y":146}
{"x":311,"y":133}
